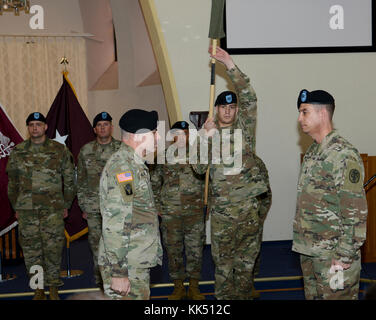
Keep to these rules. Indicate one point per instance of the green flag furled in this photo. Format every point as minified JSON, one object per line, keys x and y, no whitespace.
{"x":216,"y":30}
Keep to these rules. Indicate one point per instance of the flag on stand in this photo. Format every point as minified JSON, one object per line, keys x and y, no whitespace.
{"x":68,"y":124}
{"x":9,"y":138}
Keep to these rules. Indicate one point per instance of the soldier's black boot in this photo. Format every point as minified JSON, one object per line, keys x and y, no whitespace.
{"x":194,"y":291}
{"x":54,"y":293}
{"x":100,"y":286}
{"x":39,"y":295}
{"x":254,"y":294}
{"x":179,"y":292}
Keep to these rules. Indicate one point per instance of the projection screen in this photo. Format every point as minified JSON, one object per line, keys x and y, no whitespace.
{"x":288,"y":26}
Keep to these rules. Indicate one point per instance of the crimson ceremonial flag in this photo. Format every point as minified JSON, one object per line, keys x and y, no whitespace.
{"x":9,"y":138}
{"x":68,"y":124}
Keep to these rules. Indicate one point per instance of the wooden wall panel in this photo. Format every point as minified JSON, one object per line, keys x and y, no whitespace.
{"x":369,"y":247}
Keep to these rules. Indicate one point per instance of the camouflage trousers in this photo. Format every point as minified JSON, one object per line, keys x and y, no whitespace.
{"x":41,"y":236}
{"x":256,"y":269}
{"x":140,"y":284}
{"x":235,"y":245}
{"x":94,"y":222}
{"x":322,"y":283}
{"x":265,"y":201}
{"x":179,"y":232}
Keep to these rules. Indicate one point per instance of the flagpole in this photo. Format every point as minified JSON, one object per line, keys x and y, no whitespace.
{"x":69,"y":273}
{"x":211,"y":112}
{"x":216,"y":31}
{"x":212,"y":78}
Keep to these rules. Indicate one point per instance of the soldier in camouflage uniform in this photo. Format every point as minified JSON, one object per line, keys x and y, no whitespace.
{"x":178,"y":193}
{"x":91,"y":161}
{"x":41,"y":189}
{"x":236,"y":219}
{"x":130,"y":242}
{"x":331,"y":213}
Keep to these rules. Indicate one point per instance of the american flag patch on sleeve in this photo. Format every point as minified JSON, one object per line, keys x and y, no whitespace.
{"x":124,"y":177}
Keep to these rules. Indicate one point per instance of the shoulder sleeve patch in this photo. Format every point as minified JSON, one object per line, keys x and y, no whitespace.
{"x":124,"y":176}
{"x":125,"y":184}
{"x":353,"y":177}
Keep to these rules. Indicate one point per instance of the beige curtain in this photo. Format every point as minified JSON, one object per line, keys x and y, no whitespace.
{"x":31,"y":74}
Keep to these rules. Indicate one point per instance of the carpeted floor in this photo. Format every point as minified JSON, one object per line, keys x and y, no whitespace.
{"x":279,"y":277}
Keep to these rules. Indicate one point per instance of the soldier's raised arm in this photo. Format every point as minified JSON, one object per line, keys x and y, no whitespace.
{"x":247,"y":114}
{"x":247,"y":104}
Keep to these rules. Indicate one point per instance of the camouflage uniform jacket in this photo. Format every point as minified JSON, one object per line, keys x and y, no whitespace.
{"x":229,"y":185}
{"x":91,"y":161}
{"x":331,"y":212}
{"x":41,"y":177}
{"x":130,"y":230}
{"x":177,"y":187}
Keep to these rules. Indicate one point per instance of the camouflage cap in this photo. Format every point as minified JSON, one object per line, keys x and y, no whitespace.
{"x":35,"y":116}
{"x":315,"y":97}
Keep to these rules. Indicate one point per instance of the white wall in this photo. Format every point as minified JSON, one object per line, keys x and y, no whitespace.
{"x":97,"y":20}
{"x":132,"y":41}
{"x":277,"y":79}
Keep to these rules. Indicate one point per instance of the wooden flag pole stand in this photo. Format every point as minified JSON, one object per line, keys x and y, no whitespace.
{"x":70,"y":273}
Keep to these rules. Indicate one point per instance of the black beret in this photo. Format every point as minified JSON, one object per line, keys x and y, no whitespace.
{"x":35,"y":116}
{"x":139,"y":121}
{"x":183,"y":125}
{"x":226,"y":97}
{"x":103,"y":116}
{"x":315,"y":97}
